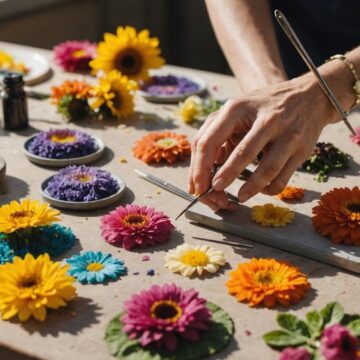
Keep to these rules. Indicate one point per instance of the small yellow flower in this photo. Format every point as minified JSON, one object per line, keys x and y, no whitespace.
{"x":128,"y":52}
{"x":272,"y":215}
{"x":27,"y":213}
{"x":7,"y":62}
{"x":189,"y":260}
{"x":116,"y":93}
{"x":29,"y":286}
{"x":190,"y":109}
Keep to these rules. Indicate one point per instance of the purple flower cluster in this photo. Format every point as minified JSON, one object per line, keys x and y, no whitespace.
{"x":62,"y":144}
{"x":170,"y":85}
{"x":82,"y":183}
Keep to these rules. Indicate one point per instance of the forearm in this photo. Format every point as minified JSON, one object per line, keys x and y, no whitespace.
{"x":246,"y":34}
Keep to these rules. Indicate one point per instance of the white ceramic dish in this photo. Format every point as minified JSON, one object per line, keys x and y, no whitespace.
{"x":37,"y":64}
{"x":174,"y":98}
{"x":83,"y":205}
{"x":64,"y":162}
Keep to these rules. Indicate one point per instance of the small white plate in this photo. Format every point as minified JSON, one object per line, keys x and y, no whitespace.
{"x":64,"y":162}
{"x":83,"y":205}
{"x":37,"y":64}
{"x":174,"y":98}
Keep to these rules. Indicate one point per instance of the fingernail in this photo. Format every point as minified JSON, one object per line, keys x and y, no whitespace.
{"x":243,"y":196}
{"x":218,"y":184}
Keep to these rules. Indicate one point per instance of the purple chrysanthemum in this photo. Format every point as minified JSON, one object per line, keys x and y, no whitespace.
{"x":82,"y":183}
{"x":74,"y":55}
{"x":161,"y":314}
{"x":62,"y":144}
{"x":133,"y":226}
{"x":170,"y":85}
{"x":337,"y":343}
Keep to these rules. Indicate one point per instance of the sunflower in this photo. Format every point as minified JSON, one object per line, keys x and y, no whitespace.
{"x":188,"y":260}
{"x":162,"y":146}
{"x":114,"y":92}
{"x":267,"y":281}
{"x":291,"y":193}
{"x":272,"y":215}
{"x":338,"y":215}
{"x":129,"y":52}
{"x":29,"y":286}
{"x":27,"y":213}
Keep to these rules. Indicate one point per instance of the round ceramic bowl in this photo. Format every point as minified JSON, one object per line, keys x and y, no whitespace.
{"x":83,"y":205}
{"x":64,"y":162}
{"x":175,"y":98}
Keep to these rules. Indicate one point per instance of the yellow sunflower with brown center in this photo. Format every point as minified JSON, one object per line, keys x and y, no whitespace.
{"x":162,"y":146}
{"x":337,"y":215}
{"x":129,"y":52}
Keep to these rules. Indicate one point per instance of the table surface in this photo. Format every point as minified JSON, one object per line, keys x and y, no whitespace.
{"x":76,"y":332}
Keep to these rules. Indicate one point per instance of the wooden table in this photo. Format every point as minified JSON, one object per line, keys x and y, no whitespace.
{"x":77,"y":331}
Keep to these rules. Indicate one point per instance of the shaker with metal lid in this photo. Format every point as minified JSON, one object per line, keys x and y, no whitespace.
{"x":14,"y":102}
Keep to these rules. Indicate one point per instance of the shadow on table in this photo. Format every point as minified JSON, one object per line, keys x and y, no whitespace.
{"x":12,"y":188}
{"x":225,"y":353}
{"x":79,"y":314}
{"x":30,"y":130}
{"x":107,"y":156}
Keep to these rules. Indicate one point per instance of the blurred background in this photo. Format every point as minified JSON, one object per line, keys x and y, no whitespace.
{"x":183,"y":26}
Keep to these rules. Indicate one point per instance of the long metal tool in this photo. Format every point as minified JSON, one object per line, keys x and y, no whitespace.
{"x":290,"y":33}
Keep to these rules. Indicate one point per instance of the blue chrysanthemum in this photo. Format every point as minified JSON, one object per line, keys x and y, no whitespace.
{"x":53,"y":239}
{"x":95,"y":267}
{"x":6,"y":253}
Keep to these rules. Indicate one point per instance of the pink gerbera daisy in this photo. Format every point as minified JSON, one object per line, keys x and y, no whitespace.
{"x":356,"y":138}
{"x":161,"y":314}
{"x":74,"y":55}
{"x":135,"y":226}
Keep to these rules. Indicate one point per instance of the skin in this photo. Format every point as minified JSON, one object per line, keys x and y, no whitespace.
{"x":249,"y":124}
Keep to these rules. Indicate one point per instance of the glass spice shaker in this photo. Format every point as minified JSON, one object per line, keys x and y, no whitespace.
{"x":14,"y":102}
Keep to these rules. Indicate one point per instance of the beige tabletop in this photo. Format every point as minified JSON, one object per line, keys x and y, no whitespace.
{"x":76,"y":332}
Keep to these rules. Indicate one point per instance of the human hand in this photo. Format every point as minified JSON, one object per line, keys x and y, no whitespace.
{"x":284,"y":121}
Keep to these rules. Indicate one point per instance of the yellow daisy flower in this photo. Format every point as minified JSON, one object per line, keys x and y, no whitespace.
{"x":188,"y":260}
{"x":190,"y":109}
{"x":29,"y":286}
{"x":272,"y":215}
{"x":129,"y":52}
{"x":7,"y":62}
{"x":27,"y":213}
{"x":115,"y":92}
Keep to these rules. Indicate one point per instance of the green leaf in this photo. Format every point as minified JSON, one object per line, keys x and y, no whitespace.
{"x":315,"y":323}
{"x":212,"y":341}
{"x":282,"y":338}
{"x":354,"y":327}
{"x":293,"y":324}
{"x":332,"y":313}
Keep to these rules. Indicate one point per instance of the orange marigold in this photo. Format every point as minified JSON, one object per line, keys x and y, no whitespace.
{"x":291,"y":193}
{"x":337,"y":215}
{"x":162,"y":146}
{"x":267,"y":281}
{"x":77,"y":88}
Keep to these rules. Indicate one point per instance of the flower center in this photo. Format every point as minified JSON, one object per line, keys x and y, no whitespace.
{"x":267,"y":277}
{"x":95,"y":267}
{"x":128,"y":62}
{"x":83,"y":177}
{"x":136,"y":220}
{"x":354,"y":209}
{"x":195,"y":258}
{"x":167,"y":310}
{"x":63,"y":138}
{"x":28,"y":282}
{"x":166,"y":142}
{"x":78,"y":53}
{"x":20,"y":215}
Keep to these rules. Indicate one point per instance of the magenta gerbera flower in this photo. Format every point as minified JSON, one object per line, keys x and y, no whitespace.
{"x":74,"y":55}
{"x":161,"y":314}
{"x":356,"y":138}
{"x":133,"y":226}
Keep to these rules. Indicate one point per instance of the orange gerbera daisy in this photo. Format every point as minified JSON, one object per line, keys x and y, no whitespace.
{"x":338,"y":215}
{"x":76,"y":88}
{"x":162,"y":146}
{"x":267,"y":281}
{"x":291,"y":193}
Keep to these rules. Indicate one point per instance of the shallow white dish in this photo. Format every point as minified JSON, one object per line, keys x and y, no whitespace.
{"x":38,"y":65}
{"x":64,"y":162}
{"x":174,"y":98}
{"x":83,"y":205}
